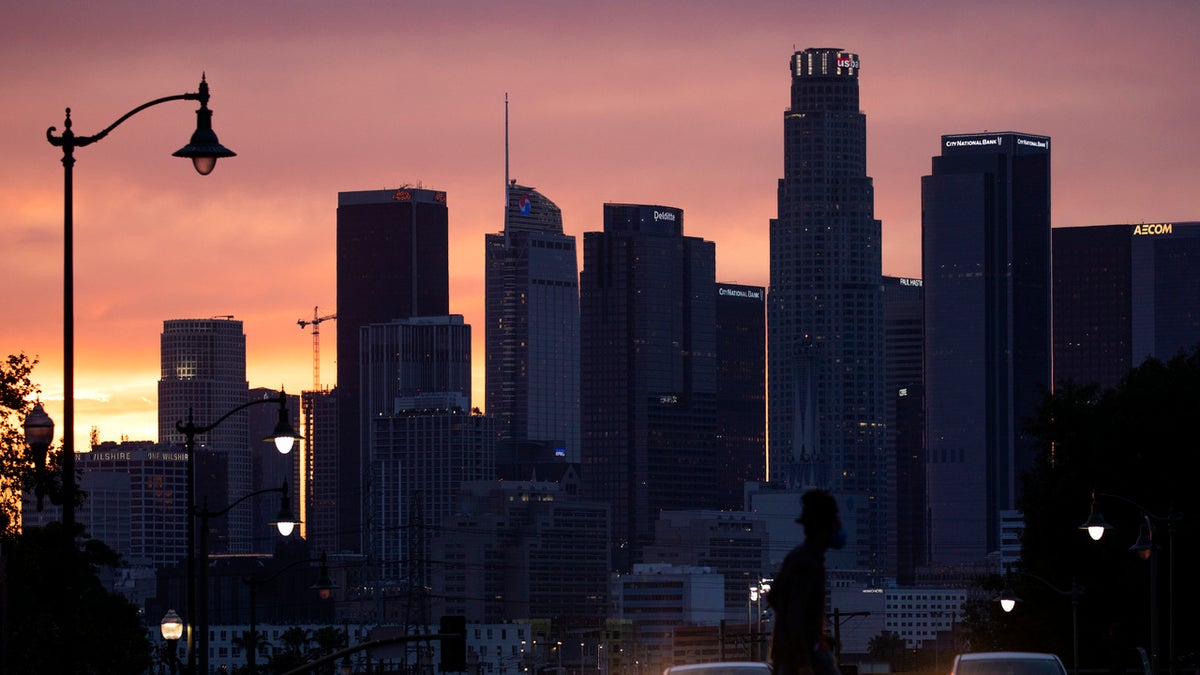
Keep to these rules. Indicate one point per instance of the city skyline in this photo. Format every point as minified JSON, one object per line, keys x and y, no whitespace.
{"x":319,"y":100}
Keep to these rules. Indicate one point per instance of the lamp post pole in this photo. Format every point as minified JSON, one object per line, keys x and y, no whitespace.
{"x":204,"y":150}
{"x":1008,"y":601}
{"x":286,"y":521}
{"x":1144,"y":547}
{"x":324,"y":587}
{"x":284,"y":437}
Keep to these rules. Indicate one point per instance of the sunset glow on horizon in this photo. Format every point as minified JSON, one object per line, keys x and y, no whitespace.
{"x":674,"y":103}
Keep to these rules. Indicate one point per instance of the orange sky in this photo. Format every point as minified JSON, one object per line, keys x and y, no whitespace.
{"x":677,"y":103}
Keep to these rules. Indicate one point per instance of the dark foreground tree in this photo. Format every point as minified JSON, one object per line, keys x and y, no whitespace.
{"x":61,"y":619}
{"x":1134,"y":446}
{"x":55,"y":615}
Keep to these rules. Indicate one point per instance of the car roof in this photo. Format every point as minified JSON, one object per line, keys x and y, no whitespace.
{"x":971,"y":656}
{"x":718,"y":667}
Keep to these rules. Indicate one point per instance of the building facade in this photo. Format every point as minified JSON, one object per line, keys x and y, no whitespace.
{"x":203,"y":378}
{"x":1123,"y":293}
{"x":741,"y":390}
{"x":648,"y":370}
{"x":904,"y":405}
{"x":986,"y":260}
{"x":531,"y":312}
{"x":825,"y":314}
{"x":392,"y":263}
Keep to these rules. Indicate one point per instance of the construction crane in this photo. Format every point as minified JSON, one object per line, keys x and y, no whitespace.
{"x":316,"y":333}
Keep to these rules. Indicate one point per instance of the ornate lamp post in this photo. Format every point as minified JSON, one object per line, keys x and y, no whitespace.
{"x":1144,"y":547}
{"x":39,"y":434}
{"x":1008,"y":601}
{"x":284,"y":437}
{"x":203,"y":149}
{"x":172,"y":629}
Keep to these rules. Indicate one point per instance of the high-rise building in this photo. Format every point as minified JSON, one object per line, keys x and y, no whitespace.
{"x":320,"y":469}
{"x":421,"y":440}
{"x":824,"y":312}
{"x":741,"y":390}
{"x":903,"y":405}
{"x":986,"y":261}
{"x":532,"y":316}
{"x":648,"y":370}
{"x":204,"y":378}
{"x":392,"y":263}
{"x":1123,"y":293}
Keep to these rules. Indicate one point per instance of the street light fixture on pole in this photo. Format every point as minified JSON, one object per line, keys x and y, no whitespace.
{"x":285,"y":522}
{"x":323,"y":586}
{"x":1008,"y":601}
{"x":172,"y":629}
{"x":283,"y":436}
{"x":203,"y":149}
{"x":1144,"y":547}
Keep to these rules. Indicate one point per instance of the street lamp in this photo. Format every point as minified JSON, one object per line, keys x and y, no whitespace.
{"x":285,"y":522}
{"x":1008,"y":601}
{"x":1144,"y":548}
{"x":284,"y":437}
{"x":172,"y":629}
{"x":39,"y":434}
{"x":324,"y":587}
{"x":203,"y":150}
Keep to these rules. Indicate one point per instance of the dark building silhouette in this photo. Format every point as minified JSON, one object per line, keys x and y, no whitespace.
{"x":648,"y":370}
{"x":321,"y":470}
{"x":532,"y":337}
{"x":741,"y":390}
{"x":903,"y":352}
{"x":392,"y":263}
{"x":1123,"y":293}
{"x":825,"y":315}
{"x":986,"y":261}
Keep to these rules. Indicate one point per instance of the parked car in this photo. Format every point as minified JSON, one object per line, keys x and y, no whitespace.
{"x":1008,"y":663}
{"x":720,"y":668}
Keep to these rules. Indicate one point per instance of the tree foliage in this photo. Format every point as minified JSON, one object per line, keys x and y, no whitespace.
{"x":1131,"y":445}
{"x":16,"y":470}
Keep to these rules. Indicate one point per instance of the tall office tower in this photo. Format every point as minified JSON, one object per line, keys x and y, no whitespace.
{"x":741,"y":390}
{"x":392,"y":263}
{"x":204,"y":374}
{"x":137,"y":500}
{"x":320,"y":470}
{"x":986,"y":260}
{"x":648,"y":370}
{"x":903,"y":352}
{"x":421,"y":440}
{"x":532,"y":315}
{"x":1123,"y":293}
{"x":824,"y":312}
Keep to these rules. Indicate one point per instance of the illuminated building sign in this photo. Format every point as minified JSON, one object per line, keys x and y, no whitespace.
{"x":995,"y":142}
{"x":740,"y":293}
{"x":402,"y":196}
{"x":664,"y":215}
{"x":847,"y":61}
{"x":909,"y":282}
{"x":1152,"y":229}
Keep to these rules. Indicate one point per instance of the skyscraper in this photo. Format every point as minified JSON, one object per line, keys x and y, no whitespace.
{"x":1123,"y":293}
{"x":532,"y":317}
{"x":986,"y":260}
{"x":903,"y":359}
{"x":420,"y":439}
{"x":204,"y":375}
{"x":741,"y":390}
{"x":392,"y":263}
{"x":824,"y":311}
{"x":648,"y":373}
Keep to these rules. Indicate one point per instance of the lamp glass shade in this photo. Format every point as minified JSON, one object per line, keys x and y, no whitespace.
{"x":285,"y":527}
{"x":171,"y":626}
{"x":39,"y":428}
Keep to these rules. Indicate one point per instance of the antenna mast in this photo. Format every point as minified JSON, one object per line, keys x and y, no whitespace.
{"x":506,"y":183}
